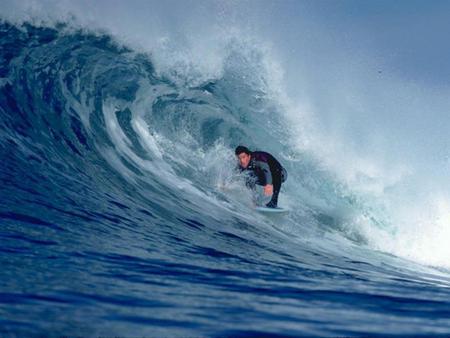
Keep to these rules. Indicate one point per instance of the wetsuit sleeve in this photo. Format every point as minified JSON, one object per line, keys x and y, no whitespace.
{"x":266,"y":170}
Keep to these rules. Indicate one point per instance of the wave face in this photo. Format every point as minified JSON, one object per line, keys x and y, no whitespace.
{"x":121,"y":213}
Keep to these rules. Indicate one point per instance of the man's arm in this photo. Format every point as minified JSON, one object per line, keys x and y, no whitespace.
{"x":266,"y":170}
{"x":268,"y":188}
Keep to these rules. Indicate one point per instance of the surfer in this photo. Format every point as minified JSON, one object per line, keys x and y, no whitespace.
{"x":263,"y":169}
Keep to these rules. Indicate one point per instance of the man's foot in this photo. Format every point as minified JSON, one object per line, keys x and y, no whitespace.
{"x":271,"y":204}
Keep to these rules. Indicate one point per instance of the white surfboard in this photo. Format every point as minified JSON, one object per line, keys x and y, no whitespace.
{"x":276,"y":210}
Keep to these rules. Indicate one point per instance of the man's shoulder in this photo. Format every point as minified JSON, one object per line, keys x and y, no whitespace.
{"x":261,"y":156}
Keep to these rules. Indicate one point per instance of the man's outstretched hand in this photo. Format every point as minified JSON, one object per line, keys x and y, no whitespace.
{"x":268,"y":189}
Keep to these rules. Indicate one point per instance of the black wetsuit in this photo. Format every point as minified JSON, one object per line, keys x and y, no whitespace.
{"x":264,"y":169}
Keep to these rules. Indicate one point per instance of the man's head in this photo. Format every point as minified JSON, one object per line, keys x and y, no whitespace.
{"x":243,"y":155}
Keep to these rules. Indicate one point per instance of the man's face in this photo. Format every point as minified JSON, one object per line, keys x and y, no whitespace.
{"x":244,"y":159}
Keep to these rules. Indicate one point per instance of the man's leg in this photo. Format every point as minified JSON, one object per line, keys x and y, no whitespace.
{"x":251,"y":182}
{"x":276,"y":181}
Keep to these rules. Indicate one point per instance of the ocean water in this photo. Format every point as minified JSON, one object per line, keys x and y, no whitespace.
{"x":121,"y":214}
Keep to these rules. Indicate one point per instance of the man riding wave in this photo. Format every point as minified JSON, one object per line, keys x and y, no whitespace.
{"x":263,"y":169}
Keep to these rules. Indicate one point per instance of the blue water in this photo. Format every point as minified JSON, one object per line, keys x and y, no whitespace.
{"x":120,"y":214}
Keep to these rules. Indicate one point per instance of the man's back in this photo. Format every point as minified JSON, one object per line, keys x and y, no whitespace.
{"x":265,"y":157}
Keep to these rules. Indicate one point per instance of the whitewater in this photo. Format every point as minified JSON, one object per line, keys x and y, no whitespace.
{"x":122,"y":215}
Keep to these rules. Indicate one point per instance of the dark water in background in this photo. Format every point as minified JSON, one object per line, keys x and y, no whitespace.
{"x":113,"y":221}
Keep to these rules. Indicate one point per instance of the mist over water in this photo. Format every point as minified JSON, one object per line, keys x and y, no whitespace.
{"x":119,"y":121}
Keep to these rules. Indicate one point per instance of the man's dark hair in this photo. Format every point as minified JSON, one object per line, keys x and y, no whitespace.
{"x":242,"y":149}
